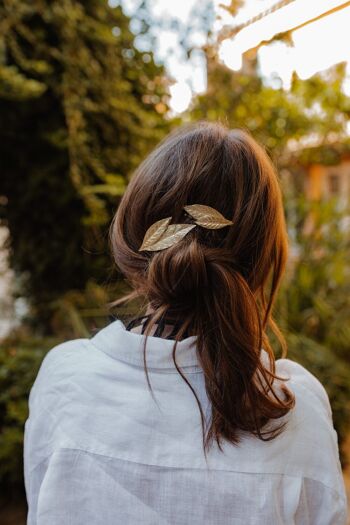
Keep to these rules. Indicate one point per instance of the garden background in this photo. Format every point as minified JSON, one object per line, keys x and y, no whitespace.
{"x":83,"y":99}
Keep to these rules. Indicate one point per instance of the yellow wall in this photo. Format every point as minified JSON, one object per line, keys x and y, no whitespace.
{"x":318,"y":181}
{"x":314,"y":183}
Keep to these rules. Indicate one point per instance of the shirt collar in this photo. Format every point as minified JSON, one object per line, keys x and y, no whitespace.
{"x":119,"y":343}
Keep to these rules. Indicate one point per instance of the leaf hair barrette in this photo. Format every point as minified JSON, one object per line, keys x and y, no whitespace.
{"x":161,"y":234}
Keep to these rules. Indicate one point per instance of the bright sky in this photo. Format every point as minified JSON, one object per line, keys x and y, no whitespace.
{"x":315,"y":47}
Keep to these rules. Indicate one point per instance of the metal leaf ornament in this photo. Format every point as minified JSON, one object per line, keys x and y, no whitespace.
{"x":161,"y":235}
{"x":207,"y":217}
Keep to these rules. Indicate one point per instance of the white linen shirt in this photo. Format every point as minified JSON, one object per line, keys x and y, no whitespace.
{"x":100,"y":450}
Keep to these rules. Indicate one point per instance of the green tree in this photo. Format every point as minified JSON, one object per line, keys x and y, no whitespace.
{"x":316,"y":291}
{"x":80,"y":106}
{"x":242,"y":100}
{"x":316,"y":107}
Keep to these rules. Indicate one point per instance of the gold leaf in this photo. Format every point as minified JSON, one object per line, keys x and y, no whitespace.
{"x":154,"y":233}
{"x":207,"y":217}
{"x":172,"y":235}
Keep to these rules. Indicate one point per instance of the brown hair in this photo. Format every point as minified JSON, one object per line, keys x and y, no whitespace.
{"x":221,"y":283}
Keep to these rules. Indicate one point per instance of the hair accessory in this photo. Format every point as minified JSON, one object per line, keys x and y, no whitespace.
{"x":161,"y":234}
{"x":207,"y":217}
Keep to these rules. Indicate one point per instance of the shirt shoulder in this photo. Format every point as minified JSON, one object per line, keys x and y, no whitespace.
{"x":310,"y":436}
{"x":307,"y":387}
{"x":57,"y":363}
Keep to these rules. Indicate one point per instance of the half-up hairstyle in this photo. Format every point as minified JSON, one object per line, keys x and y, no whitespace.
{"x":221,"y":284}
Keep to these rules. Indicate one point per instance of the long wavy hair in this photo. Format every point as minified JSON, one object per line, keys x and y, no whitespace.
{"x":221,"y":284}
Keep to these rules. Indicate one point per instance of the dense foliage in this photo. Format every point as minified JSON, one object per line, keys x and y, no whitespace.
{"x":80,"y":107}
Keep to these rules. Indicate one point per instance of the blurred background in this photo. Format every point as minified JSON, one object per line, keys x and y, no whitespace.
{"x":87,"y":89}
